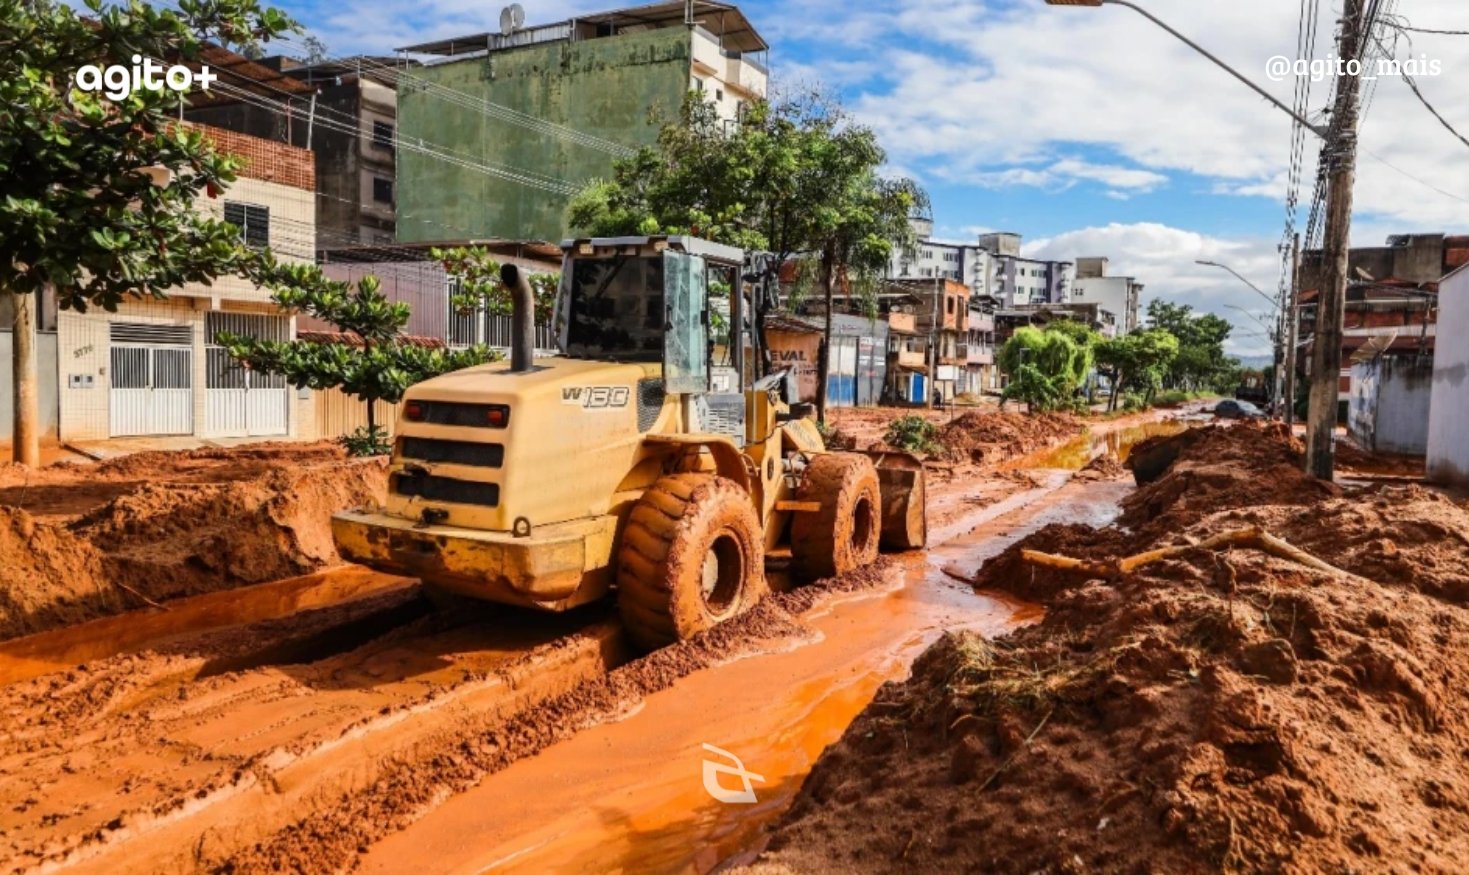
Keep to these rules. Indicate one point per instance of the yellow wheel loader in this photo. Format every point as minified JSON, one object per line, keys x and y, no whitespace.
{"x":644,"y":461}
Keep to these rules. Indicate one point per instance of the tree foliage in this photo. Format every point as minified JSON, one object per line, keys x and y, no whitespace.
{"x":80,"y":210}
{"x":380,"y":369}
{"x":1137,"y":361}
{"x":1200,"y":363}
{"x":1047,"y":366}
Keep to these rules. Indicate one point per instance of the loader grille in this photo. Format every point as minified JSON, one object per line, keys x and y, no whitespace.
{"x":470,"y":415}
{"x":454,"y":452}
{"x":650,"y":402}
{"x":447,"y":489}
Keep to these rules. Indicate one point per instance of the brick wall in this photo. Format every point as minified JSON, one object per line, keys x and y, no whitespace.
{"x":265,"y":160}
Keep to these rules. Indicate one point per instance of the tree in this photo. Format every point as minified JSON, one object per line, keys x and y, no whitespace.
{"x":81,"y":212}
{"x":1137,"y":359}
{"x":380,"y":369}
{"x":1046,"y":367}
{"x":1201,"y":363}
{"x":793,"y":176}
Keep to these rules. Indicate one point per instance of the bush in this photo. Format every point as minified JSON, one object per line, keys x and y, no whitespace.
{"x":913,"y":434}
{"x":1133,"y":402}
{"x":367,"y":441}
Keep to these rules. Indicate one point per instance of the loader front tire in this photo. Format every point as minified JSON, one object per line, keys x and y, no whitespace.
{"x":843,"y":536}
{"x":691,"y":557}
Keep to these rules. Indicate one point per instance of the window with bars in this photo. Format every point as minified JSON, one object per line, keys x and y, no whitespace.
{"x":253,"y":221}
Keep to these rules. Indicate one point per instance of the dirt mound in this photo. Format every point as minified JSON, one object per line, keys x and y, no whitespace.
{"x":985,"y":437}
{"x":1103,"y":467}
{"x":170,"y":535}
{"x":1221,"y":467}
{"x":1213,"y":711}
{"x":1353,"y":458}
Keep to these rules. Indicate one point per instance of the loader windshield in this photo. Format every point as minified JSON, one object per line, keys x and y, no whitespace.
{"x":616,"y":309}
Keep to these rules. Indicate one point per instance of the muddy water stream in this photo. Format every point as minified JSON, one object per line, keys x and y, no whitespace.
{"x":629,"y":795}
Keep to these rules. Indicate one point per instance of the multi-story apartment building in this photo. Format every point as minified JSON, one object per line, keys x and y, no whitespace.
{"x":1118,"y":295}
{"x":505,"y":127}
{"x":1021,"y":281}
{"x":152,"y":368}
{"x":345,"y":112}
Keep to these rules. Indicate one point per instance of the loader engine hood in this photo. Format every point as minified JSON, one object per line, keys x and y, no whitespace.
{"x":492,"y":449}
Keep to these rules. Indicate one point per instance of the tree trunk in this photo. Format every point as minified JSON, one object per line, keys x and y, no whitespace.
{"x":371,"y":416}
{"x":26,"y":437}
{"x":823,"y":353}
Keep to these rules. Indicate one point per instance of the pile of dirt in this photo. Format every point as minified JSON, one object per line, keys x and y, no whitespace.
{"x":1103,"y":467}
{"x":79,"y":542}
{"x":1213,"y":711}
{"x":1221,"y":467}
{"x":985,"y":438}
{"x":1353,"y":458}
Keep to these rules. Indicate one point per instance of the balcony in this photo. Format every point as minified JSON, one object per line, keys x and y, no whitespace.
{"x":977,"y":354}
{"x":902,"y":322}
{"x":909,"y":358}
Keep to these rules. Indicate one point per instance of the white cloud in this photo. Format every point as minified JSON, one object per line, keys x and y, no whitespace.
{"x":1164,"y":258}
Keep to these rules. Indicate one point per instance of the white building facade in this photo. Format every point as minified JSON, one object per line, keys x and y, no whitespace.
{"x":152,"y":368}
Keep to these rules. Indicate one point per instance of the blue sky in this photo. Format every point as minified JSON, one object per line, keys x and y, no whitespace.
{"x":1089,"y":131}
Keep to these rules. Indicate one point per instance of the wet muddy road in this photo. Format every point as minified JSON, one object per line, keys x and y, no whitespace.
{"x":629,"y":796}
{"x":179,"y":747}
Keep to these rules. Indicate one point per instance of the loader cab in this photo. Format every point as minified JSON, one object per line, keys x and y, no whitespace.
{"x":663,"y":300}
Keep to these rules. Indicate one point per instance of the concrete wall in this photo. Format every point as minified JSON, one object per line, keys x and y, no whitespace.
{"x":46,"y":366}
{"x":1448,"y":422}
{"x":1389,"y":407}
{"x":609,"y":87}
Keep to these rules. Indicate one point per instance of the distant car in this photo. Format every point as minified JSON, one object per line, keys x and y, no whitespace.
{"x":1231,"y":408}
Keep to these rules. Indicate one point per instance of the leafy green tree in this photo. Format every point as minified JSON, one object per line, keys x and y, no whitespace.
{"x":795,"y":175}
{"x":83,"y":209}
{"x":381,"y":369}
{"x":1136,"y":361}
{"x":1046,"y":368}
{"x":1201,"y":362}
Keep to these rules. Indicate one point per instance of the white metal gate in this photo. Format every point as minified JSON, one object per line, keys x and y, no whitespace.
{"x":152,"y":391}
{"x":239,"y":402}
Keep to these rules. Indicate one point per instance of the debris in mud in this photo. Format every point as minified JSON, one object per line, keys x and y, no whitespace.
{"x":1218,"y":710}
{"x":82,"y":541}
{"x":1103,"y":467}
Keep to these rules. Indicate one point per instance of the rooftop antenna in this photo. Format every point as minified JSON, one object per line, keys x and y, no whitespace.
{"x":512,"y":18}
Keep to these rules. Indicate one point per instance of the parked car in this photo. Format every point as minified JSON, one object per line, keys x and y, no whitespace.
{"x":1231,"y":408}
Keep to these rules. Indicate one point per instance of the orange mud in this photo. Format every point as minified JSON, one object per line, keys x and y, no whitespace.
{"x":84,"y":541}
{"x":628,"y":795}
{"x":1217,"y":711}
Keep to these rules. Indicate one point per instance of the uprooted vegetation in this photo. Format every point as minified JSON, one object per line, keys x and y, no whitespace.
{"x":79,"y":542}
{"x":1218,"y":709}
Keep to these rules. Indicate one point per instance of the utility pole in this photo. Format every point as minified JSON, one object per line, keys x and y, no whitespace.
{"x":25,"y":437}
{"x":1292,"y":323}
{"x":1341,"y":157}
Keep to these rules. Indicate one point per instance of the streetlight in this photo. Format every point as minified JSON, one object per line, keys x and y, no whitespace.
{"x":1315,"y":129}
{"x":1274,"y":304}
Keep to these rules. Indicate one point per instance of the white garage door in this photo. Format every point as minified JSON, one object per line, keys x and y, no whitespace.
{"x":239,"y":402}
{"x":152,"y":391}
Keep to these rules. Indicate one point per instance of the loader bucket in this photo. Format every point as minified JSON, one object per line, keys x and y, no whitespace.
{"x":904,"y":500}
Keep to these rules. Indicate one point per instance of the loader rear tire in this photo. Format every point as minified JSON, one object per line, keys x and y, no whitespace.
{"x":843,"y":536}
{"x":691,"y":556}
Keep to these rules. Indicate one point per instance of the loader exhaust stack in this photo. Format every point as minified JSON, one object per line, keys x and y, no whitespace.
{"x":522,"y":317}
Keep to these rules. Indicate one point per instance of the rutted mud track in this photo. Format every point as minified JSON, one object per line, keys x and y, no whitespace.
{"x":295,"y":742}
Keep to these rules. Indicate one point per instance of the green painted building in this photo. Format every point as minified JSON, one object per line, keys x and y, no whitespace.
{"x":498,"y":130}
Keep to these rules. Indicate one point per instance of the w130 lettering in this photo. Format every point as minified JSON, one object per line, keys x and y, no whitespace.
{"x":596,"y":397}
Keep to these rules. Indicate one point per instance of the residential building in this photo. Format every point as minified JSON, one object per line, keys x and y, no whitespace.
{"x":345,"y":113}
{"x":1119,"y":295}
{"x":932,"y":258}
{"x":1448,"y":418}
{"x":529,"y":117}
{"x":152,"y":367}
{"x":1020,"y":281}
{"x":1392,"y":298}
{"x":1389,"y":408}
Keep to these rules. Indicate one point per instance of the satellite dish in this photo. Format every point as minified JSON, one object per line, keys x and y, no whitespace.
{"x":512,"y":18}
